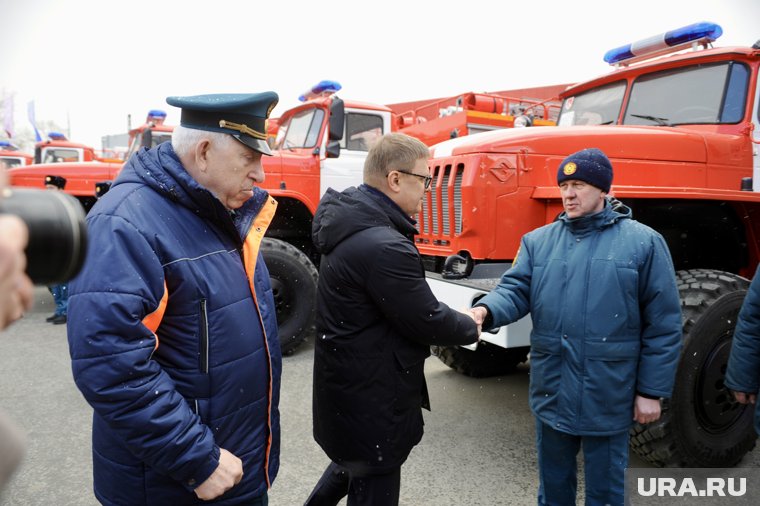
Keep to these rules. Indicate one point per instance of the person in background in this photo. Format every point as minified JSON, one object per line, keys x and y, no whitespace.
{"x":743,"y":371}
{"x":601,"y":291}
{"x":60,"y":291}
{"x":376,"y":320}
{"x":172,"y":324}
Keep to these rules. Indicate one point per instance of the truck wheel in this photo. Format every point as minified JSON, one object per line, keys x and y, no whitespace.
{"x":294,"y":286}
{"x":486,"y":360}
{"x":701,"y":425}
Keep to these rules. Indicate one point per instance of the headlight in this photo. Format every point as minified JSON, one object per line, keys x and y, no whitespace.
{"x":523,"y":121}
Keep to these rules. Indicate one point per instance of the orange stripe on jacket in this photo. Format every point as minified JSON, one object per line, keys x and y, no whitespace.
{"x":250,"y":254}
{"x":153,"y":320}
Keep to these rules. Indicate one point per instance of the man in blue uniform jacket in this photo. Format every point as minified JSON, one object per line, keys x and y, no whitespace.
{"x":743,"y":372}
{"x":172,"y":327}
{"x":601,"y":291}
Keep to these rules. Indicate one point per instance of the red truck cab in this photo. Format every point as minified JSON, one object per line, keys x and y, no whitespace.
{"x":11,"y":156}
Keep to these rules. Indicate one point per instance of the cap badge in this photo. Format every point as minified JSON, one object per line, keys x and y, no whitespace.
{"x":569,"y":169}
{"x":244,"y":129}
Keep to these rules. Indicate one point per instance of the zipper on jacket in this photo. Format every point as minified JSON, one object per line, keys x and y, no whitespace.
{"x":204,"y":338}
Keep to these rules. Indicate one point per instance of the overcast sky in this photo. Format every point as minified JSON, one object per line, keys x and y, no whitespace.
{"x":88,"y":64}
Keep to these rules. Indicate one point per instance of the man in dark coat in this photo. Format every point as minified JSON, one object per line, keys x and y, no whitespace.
{"x":376,"y":320}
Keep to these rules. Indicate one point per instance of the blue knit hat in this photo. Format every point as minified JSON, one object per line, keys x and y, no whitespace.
{"x":589,"y":165}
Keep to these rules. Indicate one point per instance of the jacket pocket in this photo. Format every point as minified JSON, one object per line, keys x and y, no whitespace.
{"x":609,"y":383}
{"x":201,"y":408}
{"x":203,"y":345}
{"x":545,"y":372}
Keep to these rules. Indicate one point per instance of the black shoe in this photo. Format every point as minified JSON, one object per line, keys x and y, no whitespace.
{"x":51,"y":318}
{"x":59,"y":319}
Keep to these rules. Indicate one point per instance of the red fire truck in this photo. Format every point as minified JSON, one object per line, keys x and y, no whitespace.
{"x":10,"y":156}
{"x":80,"y":165}
{"x":679,"y":128}
{"x":58,"y":149}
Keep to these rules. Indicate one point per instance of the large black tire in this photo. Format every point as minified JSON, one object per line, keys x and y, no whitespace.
{"x":294,"y":285}
{"x":701,"y":425}
{"x":487,"y":360}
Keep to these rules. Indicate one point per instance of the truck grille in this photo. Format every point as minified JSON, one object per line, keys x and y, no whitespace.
{"x":442,"y":209}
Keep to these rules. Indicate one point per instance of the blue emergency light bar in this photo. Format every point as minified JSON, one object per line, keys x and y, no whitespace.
{"x":156,"y":113}
{"x":56,"y":136}
{"x":320,"y":89}
{"x":8,"y":145}
{"x":665,"y":42}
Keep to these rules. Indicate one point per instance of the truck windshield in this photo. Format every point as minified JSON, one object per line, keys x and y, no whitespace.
{"x":698,"y":94}
{"x":600,"y":106}
{"x":8,"y":162}
{"x":58,"y":155}
{"x":301,"y":130}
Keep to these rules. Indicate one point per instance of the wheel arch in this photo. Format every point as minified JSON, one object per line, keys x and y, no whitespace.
{"x":292,"y":224}
{"x":704,"y":234}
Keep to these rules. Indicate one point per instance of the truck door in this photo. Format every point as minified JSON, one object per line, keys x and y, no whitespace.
{"x":362,"y":129}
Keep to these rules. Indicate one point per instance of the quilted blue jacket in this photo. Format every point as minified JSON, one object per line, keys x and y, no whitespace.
{"x":606,"y":315}
{"x":743,"y":372}
{"x":173,"y":337}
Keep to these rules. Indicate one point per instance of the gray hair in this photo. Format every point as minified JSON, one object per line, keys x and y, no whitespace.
{"x":185,"y":139}
{"x":393,"y":151}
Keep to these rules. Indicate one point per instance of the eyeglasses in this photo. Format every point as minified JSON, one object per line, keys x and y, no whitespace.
{"x":428,"y":179}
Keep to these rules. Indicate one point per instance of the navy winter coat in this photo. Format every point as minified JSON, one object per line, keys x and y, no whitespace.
{"x":173,"y":337}
{"x":376,"y":320}
{"x":743,"y":372}
{"x":606,"y":315}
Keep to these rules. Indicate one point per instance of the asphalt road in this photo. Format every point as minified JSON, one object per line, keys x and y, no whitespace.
{"x":477,"y":450}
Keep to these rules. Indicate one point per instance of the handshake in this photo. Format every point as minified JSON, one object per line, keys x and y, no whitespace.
{"x":478,"y":315}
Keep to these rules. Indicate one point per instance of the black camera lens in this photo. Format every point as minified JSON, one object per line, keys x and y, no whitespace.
{"x":57,"y":232}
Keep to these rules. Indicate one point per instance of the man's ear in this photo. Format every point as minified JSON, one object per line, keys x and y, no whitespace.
{"x":201,"y":154}
{"x":392,"y":179}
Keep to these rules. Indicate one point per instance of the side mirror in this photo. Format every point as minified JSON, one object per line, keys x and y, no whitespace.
{"x":147,"y":138}
{"x":337,"y":119}
{"x":333,"y":149}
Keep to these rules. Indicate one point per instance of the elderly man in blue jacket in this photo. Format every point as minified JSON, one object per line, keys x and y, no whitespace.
{"x":601,"y":291}
{"x":172,"y":328}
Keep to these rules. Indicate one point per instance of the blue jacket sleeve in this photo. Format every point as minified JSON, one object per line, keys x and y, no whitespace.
{"x":743,"y":373}
{"x":661,"y":326}
{"x":510,"y":300}
{"x":121,"y":283}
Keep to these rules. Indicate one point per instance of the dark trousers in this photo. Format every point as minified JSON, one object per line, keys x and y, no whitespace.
{"x":365,"y":490}
{"x":604,"y":459}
